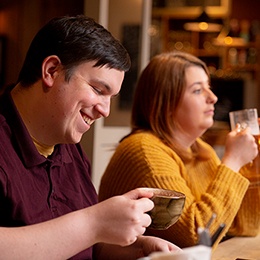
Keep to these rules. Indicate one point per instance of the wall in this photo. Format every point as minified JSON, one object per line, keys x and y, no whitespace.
{"x":99,"y":143}
{"x":128,"y":13}
{"x":242,"y":9}
{"x":21,"y":19}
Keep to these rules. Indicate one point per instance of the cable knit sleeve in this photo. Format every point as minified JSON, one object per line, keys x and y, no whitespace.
{"x":247,"y":221}
{"x":142,"y":160}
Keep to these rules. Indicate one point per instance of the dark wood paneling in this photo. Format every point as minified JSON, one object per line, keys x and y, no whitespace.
{"x":245,"y":9}
{"x":21,"y":19}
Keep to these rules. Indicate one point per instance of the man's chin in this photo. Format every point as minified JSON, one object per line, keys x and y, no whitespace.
{"x":74,"y":139}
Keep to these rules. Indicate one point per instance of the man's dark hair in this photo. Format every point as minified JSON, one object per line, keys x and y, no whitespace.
{"x":74,"y":40}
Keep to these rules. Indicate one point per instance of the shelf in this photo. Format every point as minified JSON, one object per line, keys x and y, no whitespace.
{"x":174,"y":10}
{"x":217,"y":51}
{"x":235,"y":42}
{"x":177,"y":12}
{"x":246,"y":67}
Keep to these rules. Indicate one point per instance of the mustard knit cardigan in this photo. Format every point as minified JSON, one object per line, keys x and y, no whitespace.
{"x":143,"y":160}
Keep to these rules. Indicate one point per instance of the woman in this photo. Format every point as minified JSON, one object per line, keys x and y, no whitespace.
{"x":173,"y":106}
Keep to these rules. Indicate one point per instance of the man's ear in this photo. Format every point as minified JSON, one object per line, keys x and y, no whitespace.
{"x":51,"y":67}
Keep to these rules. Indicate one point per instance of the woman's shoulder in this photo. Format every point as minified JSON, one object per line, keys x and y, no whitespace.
{"x":142,"y":138}
{"x":144,"y":143}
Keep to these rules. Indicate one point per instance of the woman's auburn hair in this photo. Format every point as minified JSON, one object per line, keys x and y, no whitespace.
{"x":157,"y":95}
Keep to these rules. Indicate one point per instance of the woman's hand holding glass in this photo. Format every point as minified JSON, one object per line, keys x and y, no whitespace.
{"x":240,"y":148}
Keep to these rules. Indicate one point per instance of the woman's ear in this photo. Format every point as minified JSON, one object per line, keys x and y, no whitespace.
{"x":51,"y":67}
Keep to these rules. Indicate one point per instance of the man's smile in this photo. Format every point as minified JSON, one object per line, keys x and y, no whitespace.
{"x":87,"y":120}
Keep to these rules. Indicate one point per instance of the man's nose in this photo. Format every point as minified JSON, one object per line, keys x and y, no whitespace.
{"x":104,"y":107}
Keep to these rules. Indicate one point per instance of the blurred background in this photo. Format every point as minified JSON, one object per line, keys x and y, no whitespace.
{"x":223,"y":33}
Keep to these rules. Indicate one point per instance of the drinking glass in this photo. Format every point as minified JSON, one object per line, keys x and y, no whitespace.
{"x":242,"y":119}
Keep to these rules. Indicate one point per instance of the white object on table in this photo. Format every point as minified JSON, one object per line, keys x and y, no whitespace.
{"x":190,"y":253}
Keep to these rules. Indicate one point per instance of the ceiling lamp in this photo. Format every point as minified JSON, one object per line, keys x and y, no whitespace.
{"x":203,"y":23}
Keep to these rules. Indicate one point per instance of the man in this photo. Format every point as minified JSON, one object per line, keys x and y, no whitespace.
{"x":71,"y":71}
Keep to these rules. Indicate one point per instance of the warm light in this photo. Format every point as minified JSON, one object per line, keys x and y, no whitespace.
{"x":153,"y":31}
{"x":178,"y":46}
{"x":228,"y":40}
{"x":203,"y":26}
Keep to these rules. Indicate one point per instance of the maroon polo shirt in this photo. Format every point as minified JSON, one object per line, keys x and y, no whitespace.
{"x":34,"y":188}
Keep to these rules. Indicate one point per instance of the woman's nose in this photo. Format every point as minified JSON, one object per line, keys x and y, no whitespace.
{"x":212,"y":97}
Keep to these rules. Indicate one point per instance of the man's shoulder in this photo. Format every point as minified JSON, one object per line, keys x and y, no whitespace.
{"x":4,"y":127}
{"x":6,"y":144}
{"x":2,"y":119}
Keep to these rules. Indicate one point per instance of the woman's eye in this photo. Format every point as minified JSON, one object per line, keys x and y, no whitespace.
{"x":197,"y":91}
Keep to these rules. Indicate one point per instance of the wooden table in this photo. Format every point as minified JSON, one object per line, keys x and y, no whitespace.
{"x":247,"y":248}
